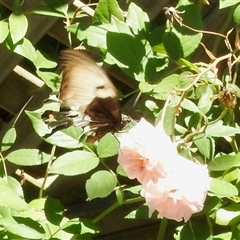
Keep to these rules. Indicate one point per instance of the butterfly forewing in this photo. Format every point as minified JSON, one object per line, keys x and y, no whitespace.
{"x":82,"y":80}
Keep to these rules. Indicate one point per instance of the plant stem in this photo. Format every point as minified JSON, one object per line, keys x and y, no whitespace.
{"x":191,"y":229}
{"x":4,"y":165}
{"x":47,"y":170}
{"x":162,"y":229}
{"x":114,"y":206}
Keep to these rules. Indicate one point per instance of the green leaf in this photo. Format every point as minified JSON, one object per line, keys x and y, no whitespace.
{"x":54,"y":8}
{"x":42,"y":62}
{"x":131,"y":54}
{"x":74,"y":163}
{"x":58,"y":6}
{"x":195,"y":230}
{"x":5,"y":212}
{"x":8,"y":139}
{"x":96,"y":37}
{"x":219,"y":130}
{"x":121,"y":171}
{"x":36,"y":210}
{"x":10,"y":199}
{"x":105,"y":10}
{"x":168,"y":117}
{"x":189,"y":39}
{"x":30,"y":223}
{"x":205,"y":101}
{"x":192,"y":120}
{"x":140,"y":213}
{"x":137,"y":20}
{"x":223,"y":236}
{"x":101,"y":184}
{"x":3,"y":30}
{"x":119,"y":196}
{"x":80,"y":226}
{"x":227,"y":3}
{"x":183,"y":62}
{"x":134,"y":190}
{"x":155,"y":38}
{"x":222,"y":188}
{"x":232,"y":175}
{"x":15,"y":186}
{"x":153,"y":65}
{"x":38,"y":204}
{"x":229,"y":215}
{"x":54,"y":211}
{"x":224,"y":162}
{"x":18,"y":25}
{"x":189,"y":105}
{"x":68,"y":138}
{"x":88,"y":226}
{"x":47,"y":11}
{"x":28,"y":157}
{"x":236,"y":17}
{"x":205,"y":145}
{"x":145,"y":87}
{"x":79,"y":30}
{"x":26,"y":49}
{"x":38,"y":124}
{"x":172,"y":45}
{"x":108,"y":146}
{"x":162,"y":90}
{"x":51,"y":79}
{"x":20,"y":230}
{"x":73,"y":226}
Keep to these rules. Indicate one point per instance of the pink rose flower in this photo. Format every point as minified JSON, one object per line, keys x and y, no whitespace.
{"x":144,"y":151}
{"x":181,"y":193}
{"x":172,"y":185}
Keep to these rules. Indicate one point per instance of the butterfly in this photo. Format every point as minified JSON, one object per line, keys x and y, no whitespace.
{"x":88,"y":97}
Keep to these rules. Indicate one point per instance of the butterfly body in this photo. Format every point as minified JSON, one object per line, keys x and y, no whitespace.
{"x":88,"y":97}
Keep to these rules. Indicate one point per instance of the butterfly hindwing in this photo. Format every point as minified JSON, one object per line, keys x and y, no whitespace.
{"x":105,"y":116}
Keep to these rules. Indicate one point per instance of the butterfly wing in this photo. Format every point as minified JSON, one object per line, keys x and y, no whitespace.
{"x":105,"y":117}
{"x":82,"y":81}
{"x":86,"y":89}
